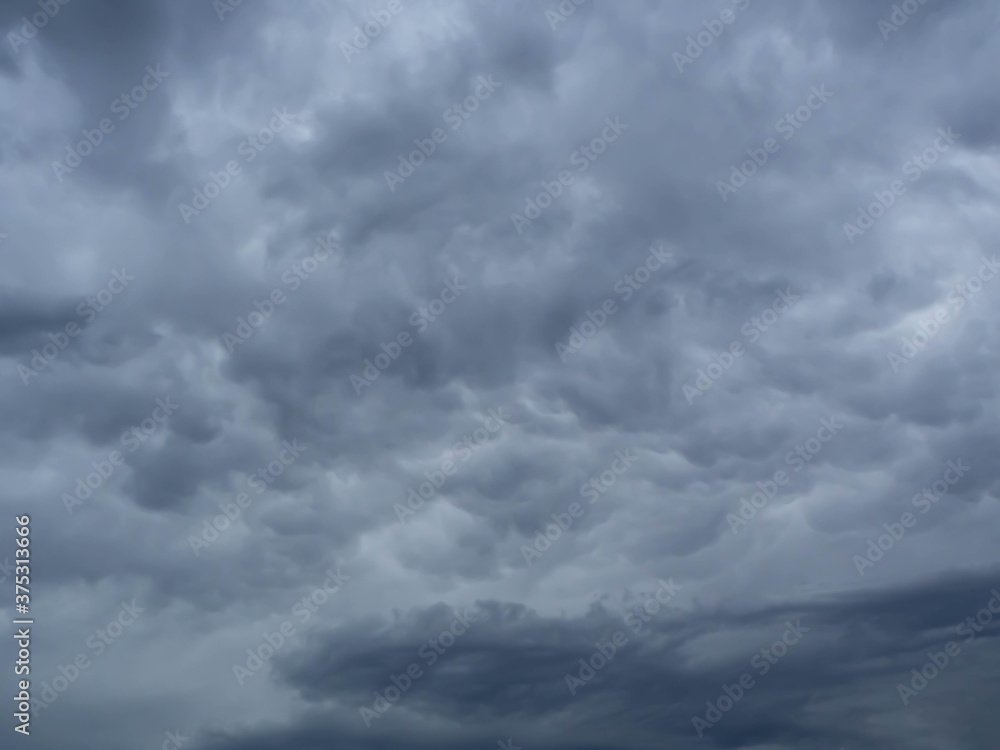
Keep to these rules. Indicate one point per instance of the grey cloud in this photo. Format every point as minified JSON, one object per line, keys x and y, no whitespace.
{"x":628,"y":386}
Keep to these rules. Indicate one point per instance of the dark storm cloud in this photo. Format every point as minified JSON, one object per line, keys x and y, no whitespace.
{"x":511,"y":669}
{"x":276,"y":266}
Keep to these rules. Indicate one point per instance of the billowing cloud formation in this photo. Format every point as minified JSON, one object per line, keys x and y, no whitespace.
{"x":506,"y":375}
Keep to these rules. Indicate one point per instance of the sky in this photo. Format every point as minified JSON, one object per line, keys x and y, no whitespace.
{"x":518,"y":375}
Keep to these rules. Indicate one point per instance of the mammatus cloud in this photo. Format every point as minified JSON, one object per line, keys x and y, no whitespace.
{"x":513,"y":375}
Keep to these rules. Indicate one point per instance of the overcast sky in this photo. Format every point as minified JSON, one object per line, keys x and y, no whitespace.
{"x":512,"y":374}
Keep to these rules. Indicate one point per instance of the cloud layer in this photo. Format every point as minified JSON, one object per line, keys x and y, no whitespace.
{"x":628,"y":372}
